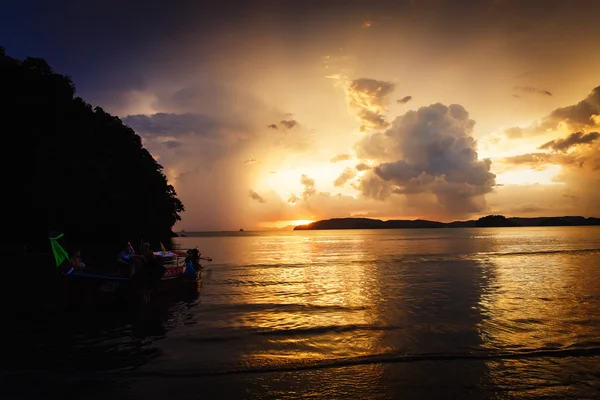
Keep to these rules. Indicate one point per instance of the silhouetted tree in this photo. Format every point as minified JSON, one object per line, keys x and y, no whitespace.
{"x":494,"y":221}
{"x":73,"y":168}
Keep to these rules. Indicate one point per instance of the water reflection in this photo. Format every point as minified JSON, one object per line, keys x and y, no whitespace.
{"x":69,"y":353}
{"x":465,"y":313}
{"x":542,"y":303}
{"x":348,"y":295}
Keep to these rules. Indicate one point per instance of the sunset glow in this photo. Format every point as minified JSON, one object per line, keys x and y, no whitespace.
{"x":381,"y":110}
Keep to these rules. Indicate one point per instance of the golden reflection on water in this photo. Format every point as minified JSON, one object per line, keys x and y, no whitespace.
{"x":325,"y":293}
{"x":544,"y":300}
{"x":334,"y":295}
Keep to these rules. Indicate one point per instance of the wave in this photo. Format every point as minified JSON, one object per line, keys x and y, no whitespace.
{"x":295,"y":332}
{"x":408,"y":258}
{"x":384,"y":358}
{"x":304,"y":365}
{"x":281,"y":307}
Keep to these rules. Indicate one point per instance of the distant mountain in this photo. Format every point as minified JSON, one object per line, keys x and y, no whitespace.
{"x":487,"y":221}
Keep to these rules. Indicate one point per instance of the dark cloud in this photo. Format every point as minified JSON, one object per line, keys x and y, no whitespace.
{"x":573,"y":139}
{"x":289,"y":124}
{"x":272,"y":126}
{"x":362,"y":167}
{"x":532,"y":90}
{"x":345,"y":176}
{"x":172,"y":144}
{"x":257,"y":197}
{"x":404,"y":100}
{"x":341,"y":157}
{"x":162,"y":124}
{"x":370,"y":98}
{"x":434,"y":154}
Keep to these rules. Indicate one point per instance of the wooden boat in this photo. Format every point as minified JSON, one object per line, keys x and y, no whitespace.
{"x":178,"y":270}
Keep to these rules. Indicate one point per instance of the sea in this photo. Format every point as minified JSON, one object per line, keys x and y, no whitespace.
{"x":482,"y":313}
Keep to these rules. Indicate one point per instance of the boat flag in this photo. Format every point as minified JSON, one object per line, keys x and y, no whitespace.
{"x":162,"y":248}
{"x":60,"y":254}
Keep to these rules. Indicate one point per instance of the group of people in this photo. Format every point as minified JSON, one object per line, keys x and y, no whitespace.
{"x":145,"y":265}
{"x":130,"y":262}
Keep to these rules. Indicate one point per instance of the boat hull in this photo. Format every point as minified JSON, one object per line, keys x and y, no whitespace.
{"x":89,"y":288}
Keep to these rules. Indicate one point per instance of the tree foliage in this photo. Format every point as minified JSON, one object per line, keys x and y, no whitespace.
{"x":74,"y":168}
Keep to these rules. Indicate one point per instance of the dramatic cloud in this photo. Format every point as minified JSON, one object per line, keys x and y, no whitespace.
{"x":580,"y":165}
{"x":532,"y":90}
{"x":341,"y":157}
{"x":573,"y":139}
{"x":434,"y":155}
{"x":369,"y":97}
{"x":348,"y":174}
{"x":581,"y":117}
{"x":404,"y":100}
{"x":256,"y":196}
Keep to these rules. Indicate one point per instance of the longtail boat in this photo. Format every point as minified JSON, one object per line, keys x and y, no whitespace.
{"x":176,"y":269}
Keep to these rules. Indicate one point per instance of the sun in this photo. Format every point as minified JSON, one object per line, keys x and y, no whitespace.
{"x":301,"y":222}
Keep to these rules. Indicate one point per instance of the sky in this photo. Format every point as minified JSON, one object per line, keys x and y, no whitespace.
{"x":272,"y":113}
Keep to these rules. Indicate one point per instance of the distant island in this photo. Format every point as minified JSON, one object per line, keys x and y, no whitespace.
{"x":484,"y":222}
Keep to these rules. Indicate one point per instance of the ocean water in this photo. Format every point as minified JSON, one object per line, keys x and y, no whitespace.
{"x":385,"y":314}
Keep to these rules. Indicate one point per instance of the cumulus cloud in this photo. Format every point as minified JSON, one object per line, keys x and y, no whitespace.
{"x":432,"y":153}
{"x":341,"y":157}
{"x":404,"y":100}
{"x":573,"y":139}
{"x":257,"y":197}
{"x":580,"y":117}
{"x":345,"y":176}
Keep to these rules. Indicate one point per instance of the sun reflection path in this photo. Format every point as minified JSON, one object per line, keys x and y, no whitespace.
{"x":321,"y":300}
